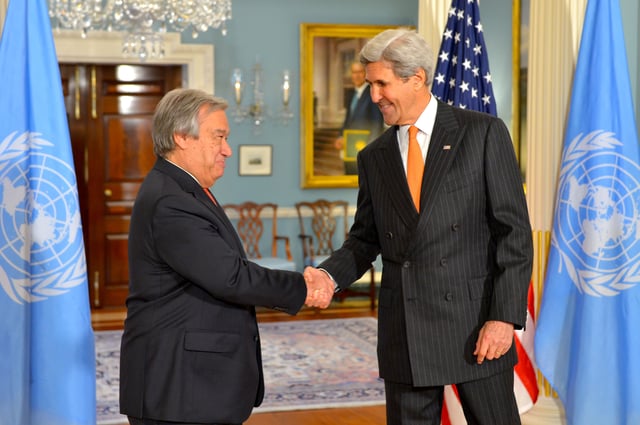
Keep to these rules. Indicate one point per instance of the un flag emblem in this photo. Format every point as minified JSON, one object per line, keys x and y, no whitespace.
{"x":597,"y":221}
{"x":40,"y":221}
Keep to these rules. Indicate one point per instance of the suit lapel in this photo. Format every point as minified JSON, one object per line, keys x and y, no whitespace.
{"x":389,"y":162}
{"x":443,"y":145}
{"x":222,"y":217}
{"x":189,"y":185}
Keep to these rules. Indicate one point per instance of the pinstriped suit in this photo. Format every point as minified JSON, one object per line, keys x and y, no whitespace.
{"x":465,"y":259}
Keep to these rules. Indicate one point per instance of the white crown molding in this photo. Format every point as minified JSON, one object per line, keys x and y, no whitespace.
{"x":106,"y":47}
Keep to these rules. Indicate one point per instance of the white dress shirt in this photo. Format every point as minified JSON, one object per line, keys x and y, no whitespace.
{"x":425,"y":125}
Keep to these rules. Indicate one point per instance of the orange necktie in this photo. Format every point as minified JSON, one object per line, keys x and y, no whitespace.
{"x":210,"y":195}
{"x":415,"y":166}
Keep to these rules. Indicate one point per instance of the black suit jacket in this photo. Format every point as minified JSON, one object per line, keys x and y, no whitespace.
{"x":465,"y":259}
{"x":191,"y":350}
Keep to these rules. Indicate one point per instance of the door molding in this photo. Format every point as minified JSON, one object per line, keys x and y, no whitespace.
{"x":106,"y":47}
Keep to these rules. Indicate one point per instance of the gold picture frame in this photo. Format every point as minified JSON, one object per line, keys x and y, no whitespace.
{"x":326,"y":52}
{"x":519,"y":53}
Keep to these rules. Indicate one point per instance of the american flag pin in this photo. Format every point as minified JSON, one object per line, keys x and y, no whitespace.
{"x":446,"y":147}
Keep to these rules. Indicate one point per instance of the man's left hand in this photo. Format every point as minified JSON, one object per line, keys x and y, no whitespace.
{"x":494,"y":340}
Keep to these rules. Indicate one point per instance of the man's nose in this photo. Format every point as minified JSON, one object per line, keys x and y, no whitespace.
{"x":226,"y":149}
{"x":375,"y":94}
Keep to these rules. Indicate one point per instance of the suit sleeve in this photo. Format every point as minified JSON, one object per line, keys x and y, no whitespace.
{"x":510,"y":228}
{"x":192,"y":243}
{"x":360,"y":249}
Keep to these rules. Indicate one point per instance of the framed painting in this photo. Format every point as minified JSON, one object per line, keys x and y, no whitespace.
{"x":255,"y":160}
{"x":327,"y":52}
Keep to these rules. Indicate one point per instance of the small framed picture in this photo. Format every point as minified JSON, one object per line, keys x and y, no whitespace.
{"x":255,"y":160}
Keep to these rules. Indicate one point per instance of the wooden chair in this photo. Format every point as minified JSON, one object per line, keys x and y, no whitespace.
{"x":323,"y":223}
{"x":249,"y":219}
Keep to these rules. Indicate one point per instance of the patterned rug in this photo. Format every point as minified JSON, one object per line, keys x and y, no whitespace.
{"x":308,"y":364}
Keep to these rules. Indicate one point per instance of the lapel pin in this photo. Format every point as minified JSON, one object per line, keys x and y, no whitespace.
{"x":446,"y":147}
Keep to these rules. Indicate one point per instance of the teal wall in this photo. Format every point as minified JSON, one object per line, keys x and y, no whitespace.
{"x":270,"y":30}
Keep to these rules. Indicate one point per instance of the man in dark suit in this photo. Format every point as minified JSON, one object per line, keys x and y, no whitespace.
{"x":190,"y":351}
{"x":456,"y":261}
{"x":362,"y":114}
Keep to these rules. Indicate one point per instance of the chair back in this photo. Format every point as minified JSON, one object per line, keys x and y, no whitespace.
{"x":322,"y":223}
{"x":250,"y":219}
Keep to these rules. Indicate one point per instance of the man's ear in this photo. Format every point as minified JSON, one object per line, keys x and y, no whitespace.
{"x":180,"y":140}
{"x":420,"y":78}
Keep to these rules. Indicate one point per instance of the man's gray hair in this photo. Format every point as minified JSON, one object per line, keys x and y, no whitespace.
{"x":404,"y":48}
{"x":177,"y":112}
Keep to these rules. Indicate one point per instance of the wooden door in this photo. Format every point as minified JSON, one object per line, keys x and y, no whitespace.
{"x":109,"y":108}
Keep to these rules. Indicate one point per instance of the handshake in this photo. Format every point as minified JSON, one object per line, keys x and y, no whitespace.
{"x":320,"y":287}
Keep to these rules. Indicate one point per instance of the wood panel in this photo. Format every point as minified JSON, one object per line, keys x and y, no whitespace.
{"x":109,"y":108}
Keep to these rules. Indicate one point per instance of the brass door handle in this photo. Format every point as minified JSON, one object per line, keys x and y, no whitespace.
{"x":96,"y":289}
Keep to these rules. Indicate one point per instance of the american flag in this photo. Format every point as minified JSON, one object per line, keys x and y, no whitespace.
{"x":462,"y":76}
{"x":463,"y":79}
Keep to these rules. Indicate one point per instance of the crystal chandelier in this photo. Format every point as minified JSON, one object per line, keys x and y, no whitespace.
{"x":143,"y":21}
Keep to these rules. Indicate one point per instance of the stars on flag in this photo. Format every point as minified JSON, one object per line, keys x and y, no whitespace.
{"x":462,"y":76}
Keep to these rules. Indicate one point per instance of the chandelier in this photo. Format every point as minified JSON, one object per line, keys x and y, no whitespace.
{"x":143,"y":22}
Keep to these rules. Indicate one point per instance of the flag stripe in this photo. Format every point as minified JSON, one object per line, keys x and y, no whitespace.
{"x":525,"y":371}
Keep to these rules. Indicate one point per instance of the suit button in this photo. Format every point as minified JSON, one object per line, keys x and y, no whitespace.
{"x":455,"y":227}
{"x":406,"y":264}
{"x":443,"y":262}
{"x":448,"y":296}
{"x":388,"y":235}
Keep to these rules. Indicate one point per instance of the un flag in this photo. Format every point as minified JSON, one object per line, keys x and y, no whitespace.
{"x":47,"y":349}
{"x":587,"y":342}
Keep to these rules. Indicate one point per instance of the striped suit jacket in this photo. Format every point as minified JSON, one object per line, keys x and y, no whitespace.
{"x":465,"y":259}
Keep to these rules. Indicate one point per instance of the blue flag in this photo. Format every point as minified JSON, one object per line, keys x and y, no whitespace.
{"x":47,"y":373}
{"x":588,"y":341}
{"x":462,"y":77}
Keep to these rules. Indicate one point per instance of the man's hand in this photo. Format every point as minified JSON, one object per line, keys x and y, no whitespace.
{"x":319,"y":288}
{"x":494,"y":340}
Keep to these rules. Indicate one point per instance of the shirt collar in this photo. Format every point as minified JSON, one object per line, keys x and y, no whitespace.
{"x":192,"y":176}
{"x":427,"y":118}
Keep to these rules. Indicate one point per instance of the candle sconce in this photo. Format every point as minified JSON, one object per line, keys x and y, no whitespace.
{"x":256,"y":112}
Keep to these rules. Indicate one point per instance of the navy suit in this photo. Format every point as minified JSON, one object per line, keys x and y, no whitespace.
{"x":464,"y":259}
{"x":191,"y":350}
{"x":365,"y":116}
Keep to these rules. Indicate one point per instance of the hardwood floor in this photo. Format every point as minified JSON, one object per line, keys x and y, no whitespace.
{"x":370,"y":415}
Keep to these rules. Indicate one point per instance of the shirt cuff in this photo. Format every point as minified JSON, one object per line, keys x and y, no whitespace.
{"x":336,"y":288}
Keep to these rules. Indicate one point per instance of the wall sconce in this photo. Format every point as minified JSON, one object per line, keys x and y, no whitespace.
{"x":256,"y":111}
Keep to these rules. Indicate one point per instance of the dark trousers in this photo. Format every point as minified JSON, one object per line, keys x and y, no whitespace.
{"x":488,"y":401}
{"x":137,"y":421}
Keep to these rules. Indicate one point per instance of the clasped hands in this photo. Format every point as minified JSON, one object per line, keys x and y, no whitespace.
{"x":320,"y":287}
